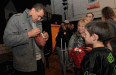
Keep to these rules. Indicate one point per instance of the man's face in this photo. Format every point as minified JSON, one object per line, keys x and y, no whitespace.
{"x":90,"y":16}
{"x":36,"y":16}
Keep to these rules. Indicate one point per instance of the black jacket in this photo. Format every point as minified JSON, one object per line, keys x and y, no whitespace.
{"x":99,"y":61}
{"x":69,"y":33}
{"x":58,"y":39}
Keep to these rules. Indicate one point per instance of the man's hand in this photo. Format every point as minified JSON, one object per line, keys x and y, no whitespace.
{"x":45,"y":35}
{"x":34,"y":32}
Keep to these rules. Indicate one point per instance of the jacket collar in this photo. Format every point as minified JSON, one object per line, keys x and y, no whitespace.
{"x":26,"y":13}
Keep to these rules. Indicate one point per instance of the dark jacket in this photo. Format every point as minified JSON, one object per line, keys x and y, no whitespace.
{"x":69,"y":33}
{"x":16,"y":36}
{"x":60,"y":28}
{"x":99,"y":61}
{"x":112,"y":24}
{"x":58,"y":39}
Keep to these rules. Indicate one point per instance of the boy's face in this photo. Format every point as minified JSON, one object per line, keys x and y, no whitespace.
{"x":81,"y":28}
{"x":109,"y":46}
{"x":88,"y":38}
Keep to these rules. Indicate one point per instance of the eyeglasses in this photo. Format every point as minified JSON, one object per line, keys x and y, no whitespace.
{"x":40,"y":17}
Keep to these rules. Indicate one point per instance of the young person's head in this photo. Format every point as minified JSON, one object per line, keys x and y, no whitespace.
{"x":96,"y":32}
{"x":108,"y":13}
{"x":90,"y":16}
{"x":81,"y":25}
{"x":37,"y":12}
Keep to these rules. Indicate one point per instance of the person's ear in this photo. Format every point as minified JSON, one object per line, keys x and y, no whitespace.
{"x":95,"y":37}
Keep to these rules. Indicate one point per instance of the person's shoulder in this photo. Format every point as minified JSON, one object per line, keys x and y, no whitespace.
{"x":61,"y":32}
{"x":13,"y":18}
{"x":74,"y":35}
{"x":17,"y":15}
{"x":110,"y":21}
{"x":98,"y":50}
{"x":101,"y":51}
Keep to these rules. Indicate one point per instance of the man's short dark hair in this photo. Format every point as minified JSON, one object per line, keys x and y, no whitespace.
{"x":100,"y":28}
{"x":90,"y":13}
{"x":38,"y":7}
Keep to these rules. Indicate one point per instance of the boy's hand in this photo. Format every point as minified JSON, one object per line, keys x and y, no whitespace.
{"x":88,"y":49}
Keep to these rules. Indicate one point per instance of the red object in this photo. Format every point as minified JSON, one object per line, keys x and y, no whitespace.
{"x":106,"y":19}
{"x":88,"y":50}
{"x":40,"y":41}
{"x":89,"y":45}
{"x":115,"y":35}
{"x":77,"y":53}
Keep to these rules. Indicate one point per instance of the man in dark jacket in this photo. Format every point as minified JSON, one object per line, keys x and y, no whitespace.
{"x":69,"y":33}
{"x":62,"y":39}
{"x":19,"y":34}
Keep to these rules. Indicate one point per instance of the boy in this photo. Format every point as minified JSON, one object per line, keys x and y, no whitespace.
{"x":100,"y":60}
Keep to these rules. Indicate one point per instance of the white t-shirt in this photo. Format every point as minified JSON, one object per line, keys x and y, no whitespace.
{"x":38,"y":51}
